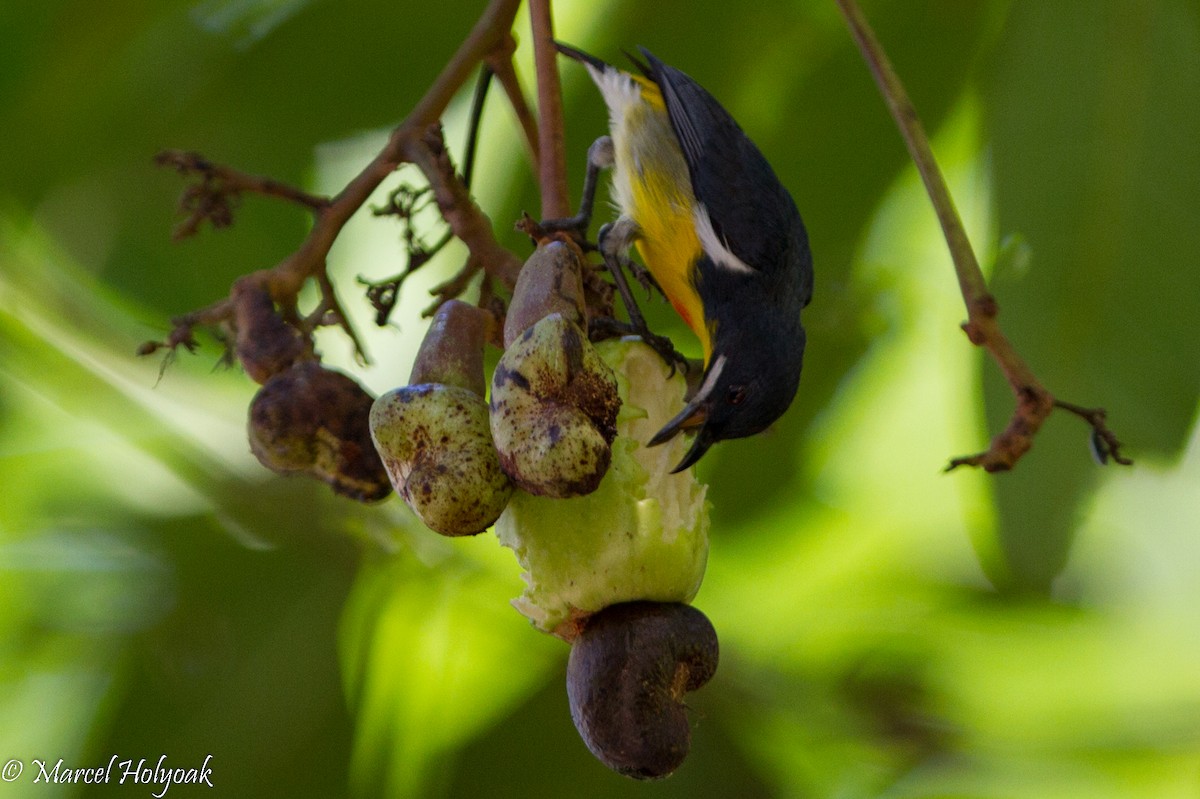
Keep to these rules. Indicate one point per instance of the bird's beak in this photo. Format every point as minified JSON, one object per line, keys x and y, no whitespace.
{"x":700,"y":444}
{"x":694,"y":416}
{"x":691,"y":417}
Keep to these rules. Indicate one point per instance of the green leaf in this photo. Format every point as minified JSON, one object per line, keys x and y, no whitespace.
{"x":431,"y":659}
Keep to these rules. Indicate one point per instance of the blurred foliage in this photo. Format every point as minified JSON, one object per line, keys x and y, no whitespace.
{"x":886,"y":630}
{"x":1112,"y":118}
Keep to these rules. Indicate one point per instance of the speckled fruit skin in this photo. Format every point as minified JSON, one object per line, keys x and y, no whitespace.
{"x":626,"y":679}
{"x":437,"y":448}
{"x":310,"y":420}
{"x":554,"y":410}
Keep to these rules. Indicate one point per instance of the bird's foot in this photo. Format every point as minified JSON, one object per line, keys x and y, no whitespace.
{"x":574,"y":227}
{"x":644,"y":278}
{"x":606,"y":326}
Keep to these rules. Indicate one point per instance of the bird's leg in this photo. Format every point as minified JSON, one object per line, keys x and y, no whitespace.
{"x":614,"y":242}
{"x":600,"y":156}
{"x":644,"y":278}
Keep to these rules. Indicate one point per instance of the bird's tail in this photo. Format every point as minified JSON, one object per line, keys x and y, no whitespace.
{"x":581,"y":57}
{"x":596,"y":63}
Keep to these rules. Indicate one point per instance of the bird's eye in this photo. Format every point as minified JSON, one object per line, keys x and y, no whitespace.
{"x":737,"y":395}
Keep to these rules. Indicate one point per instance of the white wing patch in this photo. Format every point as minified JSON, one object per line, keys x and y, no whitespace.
{"x":712,"y":245}
{"x":710,"y":381}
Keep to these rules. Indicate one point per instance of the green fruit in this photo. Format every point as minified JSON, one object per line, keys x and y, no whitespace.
{"x":436,"y":446}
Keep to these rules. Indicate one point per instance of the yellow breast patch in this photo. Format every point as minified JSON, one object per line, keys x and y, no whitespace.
{"x":652,"y":187}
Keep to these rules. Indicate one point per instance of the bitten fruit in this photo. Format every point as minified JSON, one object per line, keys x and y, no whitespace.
{"x":642,"y":534}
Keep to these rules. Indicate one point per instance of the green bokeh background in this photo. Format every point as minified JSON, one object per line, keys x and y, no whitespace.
{"x":887,"y":630}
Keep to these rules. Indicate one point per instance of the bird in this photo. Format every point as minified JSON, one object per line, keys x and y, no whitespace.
{"x":719,"y":234}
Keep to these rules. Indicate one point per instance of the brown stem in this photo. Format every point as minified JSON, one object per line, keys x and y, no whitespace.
{"x":406,"y":143}
{"x":227,"y":179}
{"x":183,"y":330}
{"x":233,"y":180}
{"x":1034,"y":401}
{"x":334,"y":314}
{"x":453,"y":287}
{"x":490,"y":32}
{"x":507,"y":75}
{"x":1105,"y":444}
{"x":213,"y":198}
{"x":552,"y":170}
{"x":493,"y":31}
{"x":970,"y":277}
{"x":467,"y":222}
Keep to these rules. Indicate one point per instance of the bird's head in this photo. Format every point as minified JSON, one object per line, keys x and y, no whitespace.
{"x":744,"y":389}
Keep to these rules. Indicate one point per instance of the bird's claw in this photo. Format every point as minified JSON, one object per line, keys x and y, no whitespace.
{"x":607,"y":326}
{"x":666,"y":350}
{"x":644,"y":278}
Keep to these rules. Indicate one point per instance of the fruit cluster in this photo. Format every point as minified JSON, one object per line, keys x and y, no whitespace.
{"x":613,"y":545}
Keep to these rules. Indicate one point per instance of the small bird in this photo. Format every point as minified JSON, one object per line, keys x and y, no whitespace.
{"x":718,"y":232}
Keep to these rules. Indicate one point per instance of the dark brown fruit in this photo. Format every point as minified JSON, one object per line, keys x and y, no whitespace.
{"x":265,"y":344}
{"x":626,"y":679}
{"x":314,"y":421}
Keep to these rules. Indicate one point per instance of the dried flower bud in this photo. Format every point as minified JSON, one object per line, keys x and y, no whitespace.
{"x":266,"y":345}
{"x":310,"y":420}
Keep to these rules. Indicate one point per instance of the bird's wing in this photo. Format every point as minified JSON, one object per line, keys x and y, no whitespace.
{"x":750,"y":211}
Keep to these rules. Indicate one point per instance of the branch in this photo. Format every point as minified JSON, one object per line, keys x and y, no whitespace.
{"x":453,"y":287}
{"x":220,"y":189}
{"x":1104,"y":442}
{"x":552,"y":171}
{"x":467,"y":222}
{"x":1034,"y":401}
{"x":492,"y":31}
{"x":504,"y":71}
{"x":405,"y":201}
{"x":407,"y":143}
